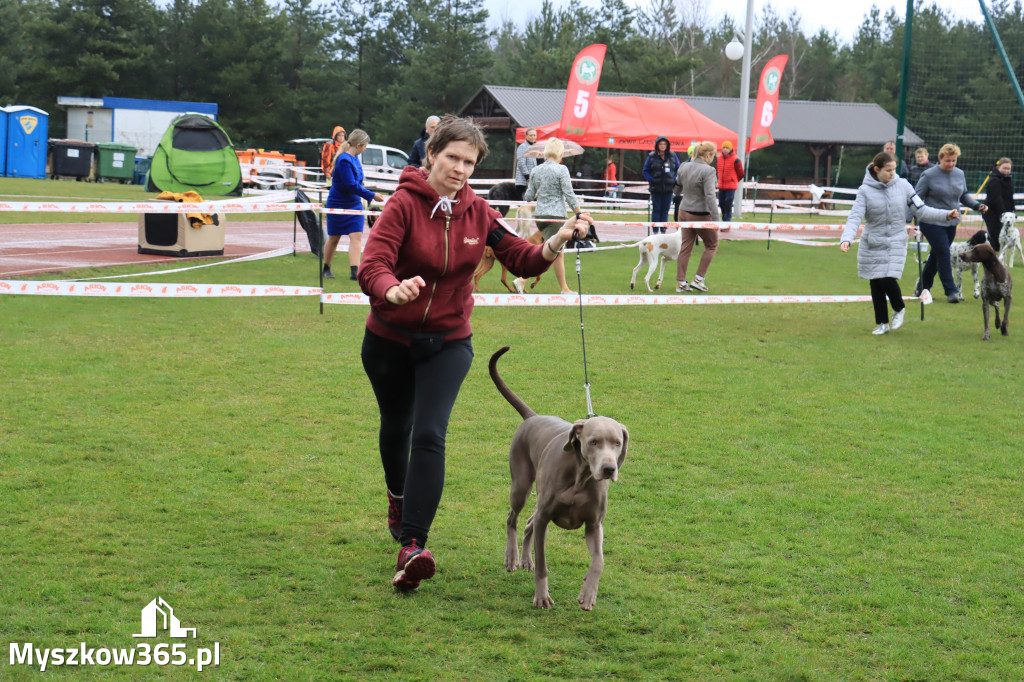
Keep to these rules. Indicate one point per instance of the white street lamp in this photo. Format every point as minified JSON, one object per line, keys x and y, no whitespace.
{"x":734,"y":50}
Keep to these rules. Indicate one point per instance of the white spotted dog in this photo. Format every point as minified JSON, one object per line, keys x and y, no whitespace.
{"x":956,"y":252}
{"x":654,"y":249}
{"x":1009,"y":240}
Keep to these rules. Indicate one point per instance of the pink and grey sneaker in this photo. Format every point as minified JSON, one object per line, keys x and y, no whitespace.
{"x":414,"y":564}
{"x":394,"y":516}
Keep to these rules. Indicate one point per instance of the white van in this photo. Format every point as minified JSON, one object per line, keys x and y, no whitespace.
{"x":386,"y":160}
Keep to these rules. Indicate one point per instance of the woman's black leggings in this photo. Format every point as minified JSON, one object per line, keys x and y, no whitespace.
{"x":415,"y":398}
{"x":882,"y":288}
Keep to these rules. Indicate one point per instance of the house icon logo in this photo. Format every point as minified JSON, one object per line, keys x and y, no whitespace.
{"x":170,"y":622}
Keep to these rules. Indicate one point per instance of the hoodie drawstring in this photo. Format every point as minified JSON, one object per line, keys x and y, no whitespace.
{"x":445,"y":204}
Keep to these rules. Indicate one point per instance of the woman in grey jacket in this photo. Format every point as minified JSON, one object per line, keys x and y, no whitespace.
{"x":695,"y":185}
{"x":551,"y":186}
{"x":881,"y":204}
{"x":943,"y":186}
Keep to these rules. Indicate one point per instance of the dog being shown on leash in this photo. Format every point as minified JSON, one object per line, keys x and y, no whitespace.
{"x":956,"y":250}
{"x":526,"y":228}
{"x":1009,"y":240}
{"x":654,"y":249}
{"x":572,"y":464}
{"x":996,"y":285}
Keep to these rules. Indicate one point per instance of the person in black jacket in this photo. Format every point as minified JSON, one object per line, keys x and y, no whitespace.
{"x":419,"y":147}
{"x":921,"y":164}
{"x":999,"y":199}
{"x":890,"y":148}
{"x":660,"y":170}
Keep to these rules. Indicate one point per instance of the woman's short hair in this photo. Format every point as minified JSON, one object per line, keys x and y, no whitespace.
{"x":1003,"y":160}
{"x":948,"y":150}
{"x":920,"y":150}
{"x":455,"y":129}
{"x":355,"y":138}
{"x":878,"y":163}
{"x":553,"y":149}
{"x":704,"y":147}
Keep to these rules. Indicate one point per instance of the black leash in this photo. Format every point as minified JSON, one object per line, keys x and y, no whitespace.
{"x":583,"y":335}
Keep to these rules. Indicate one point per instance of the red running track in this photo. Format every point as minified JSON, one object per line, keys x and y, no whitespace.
{"x":27,"y":250}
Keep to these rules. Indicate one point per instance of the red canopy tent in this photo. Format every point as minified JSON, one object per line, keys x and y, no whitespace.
{"x":636,"y":122}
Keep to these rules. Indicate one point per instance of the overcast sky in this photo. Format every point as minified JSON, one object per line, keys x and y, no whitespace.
{"x":843,"y":16}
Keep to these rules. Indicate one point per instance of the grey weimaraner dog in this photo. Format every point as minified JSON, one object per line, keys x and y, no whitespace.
{"x":996,"y":285}
{"x":572,"y":464}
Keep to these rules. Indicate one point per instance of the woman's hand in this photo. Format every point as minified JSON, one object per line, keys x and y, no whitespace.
{"x":574,"y":227}
{"x":378,"y":197}
{"x":954,"y":214}
{"x":407,"y":290}
{"x":844,"y":246}
{"x":983,"y":208}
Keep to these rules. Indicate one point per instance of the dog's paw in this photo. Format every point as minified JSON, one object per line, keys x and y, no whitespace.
{"x":587,"y":598}
{"x":543,"y":601}
{"x":526,"y":563}
{"x":511,"y":560}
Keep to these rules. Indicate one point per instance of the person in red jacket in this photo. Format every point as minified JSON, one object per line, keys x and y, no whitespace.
{"x":417,"y":269}
{"x":730,"y":172}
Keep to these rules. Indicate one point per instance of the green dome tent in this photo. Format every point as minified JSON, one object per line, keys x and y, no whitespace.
{"x":195,"y":154}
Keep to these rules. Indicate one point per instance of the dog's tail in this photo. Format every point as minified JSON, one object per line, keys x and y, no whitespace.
{"x":515,"y":401}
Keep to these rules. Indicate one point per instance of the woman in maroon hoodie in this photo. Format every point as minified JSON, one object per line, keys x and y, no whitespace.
{"x":417,"y":269}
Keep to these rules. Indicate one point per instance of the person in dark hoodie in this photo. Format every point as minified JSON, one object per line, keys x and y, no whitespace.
{"x":417,"y":270}
{"x":419,"y":147}
{"x":660,"y":170}
{"x":999,"y":199}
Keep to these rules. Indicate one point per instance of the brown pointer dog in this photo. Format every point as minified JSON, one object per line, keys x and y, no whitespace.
{"x":572,"y":464}
{"x":996,"y":284}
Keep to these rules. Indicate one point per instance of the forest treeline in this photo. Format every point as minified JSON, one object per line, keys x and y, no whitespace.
{"x":296,"y":68}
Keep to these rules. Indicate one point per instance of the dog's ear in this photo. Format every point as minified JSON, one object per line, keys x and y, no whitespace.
{"x":574,"y":437}
{"x":625,"y":444}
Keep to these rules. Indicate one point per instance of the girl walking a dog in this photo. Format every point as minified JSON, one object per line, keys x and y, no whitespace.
{"x":417,"y":270}
{"x":881,"y":204}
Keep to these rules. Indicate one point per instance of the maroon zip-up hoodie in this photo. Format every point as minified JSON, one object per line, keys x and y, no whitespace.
{"x":444,"y":250}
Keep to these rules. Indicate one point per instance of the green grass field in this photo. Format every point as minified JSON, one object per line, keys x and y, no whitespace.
{"x":801,"y":500}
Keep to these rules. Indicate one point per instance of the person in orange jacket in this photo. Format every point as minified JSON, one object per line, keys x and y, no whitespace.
{"x":330,"y":151}
{"x":730,"y":172}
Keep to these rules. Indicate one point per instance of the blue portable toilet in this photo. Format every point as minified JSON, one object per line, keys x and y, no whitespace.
{"x":3,"y":141}
{"x":27,"y":134}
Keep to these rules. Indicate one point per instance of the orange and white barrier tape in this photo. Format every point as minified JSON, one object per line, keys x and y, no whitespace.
{"x":545,"y":300}
{"x":153,"y":207}
{"x":150,"y":289}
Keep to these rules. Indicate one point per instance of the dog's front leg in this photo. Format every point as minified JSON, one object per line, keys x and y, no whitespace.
{"x":1004,"y":330}
{"x":595,"y":544}
{"x":541,"y":596}
{"x":984,"y":311}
